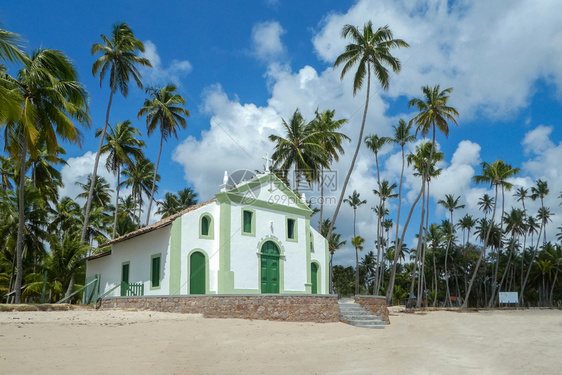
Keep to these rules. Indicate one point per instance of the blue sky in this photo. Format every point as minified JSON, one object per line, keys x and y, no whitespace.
{"x":249,"y":64}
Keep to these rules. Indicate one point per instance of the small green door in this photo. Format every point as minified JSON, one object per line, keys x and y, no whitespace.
{"x":124,"y":279}
{"x":314,"y":278}
{"x":197,"y":273}
{"x":269,"y":268}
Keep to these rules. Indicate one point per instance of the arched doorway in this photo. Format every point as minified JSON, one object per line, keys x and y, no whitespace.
{"x":314,"y":278}
{"x":197,"y":273}
{"x":269,"y":268}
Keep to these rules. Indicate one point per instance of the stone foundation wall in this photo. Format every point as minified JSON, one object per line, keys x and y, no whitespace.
{"x":374,"y":304}
{"x":290,"y":308}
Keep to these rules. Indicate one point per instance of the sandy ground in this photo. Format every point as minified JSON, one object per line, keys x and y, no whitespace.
{"x":131,"y":342}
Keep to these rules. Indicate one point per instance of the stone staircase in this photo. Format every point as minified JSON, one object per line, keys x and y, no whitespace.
{"x":357,"y":316}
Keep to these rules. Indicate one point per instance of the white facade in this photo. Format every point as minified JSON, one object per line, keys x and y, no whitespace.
{"x":233,"y":247}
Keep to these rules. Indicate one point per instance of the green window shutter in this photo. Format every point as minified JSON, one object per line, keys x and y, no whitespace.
{"x":205,"y":226}
{"x":314,"y":278}
{"x":125,"y":273}
{"x":155,"y":279}
{"x":291,"y":228}
{"x":247,"y":222}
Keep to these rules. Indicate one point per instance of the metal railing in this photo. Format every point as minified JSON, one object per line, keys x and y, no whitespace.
{"x":134,"y":290}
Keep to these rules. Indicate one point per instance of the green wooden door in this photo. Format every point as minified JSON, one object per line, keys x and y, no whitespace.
{"x":124,"y":279}
{"x":269,"y":268}
{"x":197,"y":273}
{"x":314,"y":278}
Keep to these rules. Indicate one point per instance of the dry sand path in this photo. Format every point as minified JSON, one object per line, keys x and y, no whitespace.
{"x":126,"y":342}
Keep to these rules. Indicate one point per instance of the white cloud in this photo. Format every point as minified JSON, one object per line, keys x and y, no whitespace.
{"x":78,"y":169}
{"x":266,"y":38}
{"x":159,"y":74}
{"x":236,"y":140}
{"x":490,"y":53}
{"x":482,"y":50}
{"x":537,"y":140}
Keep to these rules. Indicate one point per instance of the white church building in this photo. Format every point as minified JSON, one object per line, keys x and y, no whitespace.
{"x":252,"y":238}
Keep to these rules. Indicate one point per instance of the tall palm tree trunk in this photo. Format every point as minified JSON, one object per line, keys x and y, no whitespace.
{"x":154,"y":179}
{"x":390,"y":291}
{"x":491,"y":303}
{"x":535,"y":250}
{"x":421,"y":281}
{"x":552,"y":287}
{"x":116,"y":201}
{"x":465,"y":303}
{"x":493,"y":299}
{"x":418,"y":250}
{"x":377,"y":269}
{"x":359,"y":141}
{"x":356,"y":256}
{"x":21,"y":219}
{"x":96,"y":163}
{"x":396,"y":249}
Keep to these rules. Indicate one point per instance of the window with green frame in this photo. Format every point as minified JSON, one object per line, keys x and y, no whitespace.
{"x":247,"y":225}
{"x":291,"y":229}
{"x":205,"y":226}
{"x":155,"y":272}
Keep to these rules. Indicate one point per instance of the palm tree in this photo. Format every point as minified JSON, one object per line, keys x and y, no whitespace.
{"x":420,"y":160}
{"x":450,"y":203}
{"x":7,"y":172}
{"x":496,"y":174}
{"x":52,"y":98}
{"x":10,"y":96}
{"x":140,"y":177}
{"x":186,"y":198}
{"x":357,"y":242}
{"x":486,"y":204}
{"x":121,"y":145}
{"x":102,"y":193}
{"x":66,"y":217}
{"x":467,"y":222}
{"x":386,"y":191}
{"x":402,"y":136}
{"x":169,"y":206}
{"x":521,"y":194}
{"x":369,"y":50}
{"x":433,"y":113}
{"x":354,"y":201}
{"x":44,"y":175}
{"x":163,"y":111}
{"x":119,"y":59}
{"x":300,"y":149}
{"x":334,"y":244}
{"x":331,"y":141}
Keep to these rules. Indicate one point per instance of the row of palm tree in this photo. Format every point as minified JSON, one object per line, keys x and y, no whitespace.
{"x":41,"y":105}
{"x":515,"y":259}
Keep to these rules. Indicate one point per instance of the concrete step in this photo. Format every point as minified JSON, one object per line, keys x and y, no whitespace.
{"x":363,"y":317}
{"x":357,"y":316}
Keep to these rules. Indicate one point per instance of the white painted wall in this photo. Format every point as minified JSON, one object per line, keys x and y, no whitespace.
{"x":138,"y":251}
{"x":269,"y":192}
{"x":190,"y":241}
{"x":244,"y":249}
{"x":321,"y":256}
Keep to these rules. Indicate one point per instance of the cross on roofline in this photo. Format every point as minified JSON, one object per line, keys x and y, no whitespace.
{"x":267,"y":161}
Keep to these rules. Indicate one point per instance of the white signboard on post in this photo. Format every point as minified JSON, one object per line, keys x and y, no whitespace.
{"x":509,"y":297}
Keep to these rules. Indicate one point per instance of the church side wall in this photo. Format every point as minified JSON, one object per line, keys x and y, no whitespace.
{"x":320,"y":256}
{"x":138,"y":251}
